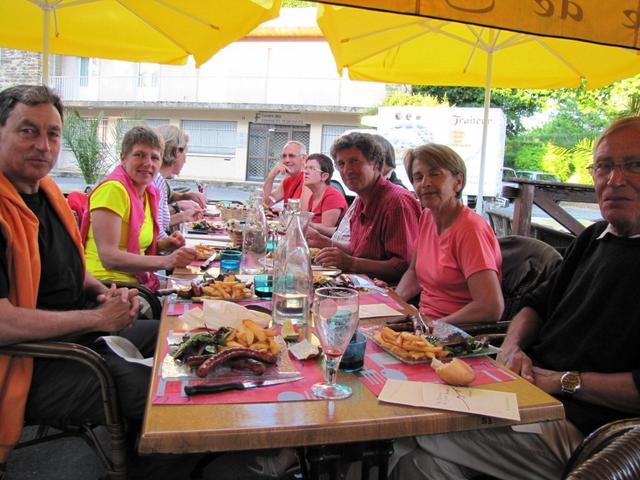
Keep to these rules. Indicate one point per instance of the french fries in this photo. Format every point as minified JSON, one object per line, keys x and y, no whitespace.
{"x":227,"y":289}
{"x":407,"y":345}
{"x":251,"y":335}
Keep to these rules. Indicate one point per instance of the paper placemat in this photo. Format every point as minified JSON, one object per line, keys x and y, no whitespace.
{"x":379,"y":366}
{"x":455,"y":399}
{"x":171,"y":392}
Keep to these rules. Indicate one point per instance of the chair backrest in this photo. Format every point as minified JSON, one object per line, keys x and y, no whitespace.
{"x":526,"y":263}
{"x":78,"y":202}
{"x":612,"y":451}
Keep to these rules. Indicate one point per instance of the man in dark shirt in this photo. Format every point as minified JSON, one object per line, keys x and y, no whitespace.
{"x":575,"y":338}
{"x":46,"y":296}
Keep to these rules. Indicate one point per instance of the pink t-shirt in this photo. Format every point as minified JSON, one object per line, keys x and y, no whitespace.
{"x":332,"y":199}
{"x":445,"y":262}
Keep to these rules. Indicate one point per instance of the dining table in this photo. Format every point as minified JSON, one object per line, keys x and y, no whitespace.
{"x":190,"y":426}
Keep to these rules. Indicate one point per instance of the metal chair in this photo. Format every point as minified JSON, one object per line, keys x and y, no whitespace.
{"x":526,"y":263}
{"x":115,"y":464}
{"x":611,"y":452}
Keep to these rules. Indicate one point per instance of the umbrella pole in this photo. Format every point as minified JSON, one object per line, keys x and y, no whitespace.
{"x":45,"y":46}
{"x":485,"y":131}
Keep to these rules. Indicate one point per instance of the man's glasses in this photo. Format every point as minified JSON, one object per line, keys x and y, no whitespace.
{"x":604,"y":169}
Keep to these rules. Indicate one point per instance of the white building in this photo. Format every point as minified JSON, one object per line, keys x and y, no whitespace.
{"x":280,"y":83}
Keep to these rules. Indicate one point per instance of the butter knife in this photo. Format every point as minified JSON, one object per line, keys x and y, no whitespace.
{"x":244,"y":385}
{"x":208,"y":261}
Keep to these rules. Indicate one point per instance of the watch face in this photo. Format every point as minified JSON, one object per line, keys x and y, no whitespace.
{"x":570,"y":382}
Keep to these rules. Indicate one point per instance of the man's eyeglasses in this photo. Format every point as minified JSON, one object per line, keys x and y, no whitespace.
{"x":604,"y":169}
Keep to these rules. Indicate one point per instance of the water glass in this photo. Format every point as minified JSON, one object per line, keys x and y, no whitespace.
{"x":335,"y":314}
{"x":230,"y":261}
{"x":263,"y":286}
{"x":353,"y":358}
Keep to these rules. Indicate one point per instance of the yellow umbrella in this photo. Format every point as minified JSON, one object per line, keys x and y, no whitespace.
{"x":607,"y":22}
{"x":394,"y":48}
{"x":156,"y":31}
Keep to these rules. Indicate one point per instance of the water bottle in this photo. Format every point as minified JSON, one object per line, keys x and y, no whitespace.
{"x":292,"y":275}
{"x":254,"y":237}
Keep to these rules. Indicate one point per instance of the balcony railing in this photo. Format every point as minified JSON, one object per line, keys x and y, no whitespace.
{"x":334,"y":92}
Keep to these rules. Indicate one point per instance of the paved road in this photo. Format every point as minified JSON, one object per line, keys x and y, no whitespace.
{"x":215,"y":190}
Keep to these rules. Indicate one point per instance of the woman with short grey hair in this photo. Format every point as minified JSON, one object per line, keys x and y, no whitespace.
{"x":175,"y":208}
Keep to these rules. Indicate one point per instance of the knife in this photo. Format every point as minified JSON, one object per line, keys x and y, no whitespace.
{"x":223,"y":387}
{"x":208,"y":261}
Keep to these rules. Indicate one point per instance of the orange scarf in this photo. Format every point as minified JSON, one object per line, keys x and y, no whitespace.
{"x":19,"y":226}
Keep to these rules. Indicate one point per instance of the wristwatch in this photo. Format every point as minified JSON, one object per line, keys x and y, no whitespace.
{"x":175,"y":207}
{"x":570,"y":382}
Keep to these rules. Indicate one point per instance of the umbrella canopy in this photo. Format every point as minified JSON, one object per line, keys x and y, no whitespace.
{"x":387,"y":47}
{"x":156,"y":31}
{"x":571,"y":19}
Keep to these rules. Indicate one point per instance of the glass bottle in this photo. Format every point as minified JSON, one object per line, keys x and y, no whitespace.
{"x":254,"y":237}
{"x":292,"y":275}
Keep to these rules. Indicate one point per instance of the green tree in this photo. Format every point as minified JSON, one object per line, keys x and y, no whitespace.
{"x":82,"y":136}
{"x":407,"y":99}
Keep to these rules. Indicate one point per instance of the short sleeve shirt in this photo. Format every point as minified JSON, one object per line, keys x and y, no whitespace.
{"x":386,"y":228}
{"x":113,"y":196}
{"x":292,"y":186}
{"x":164,"y":216}
{"x":331,"y":200}
{"x":445,"y":262}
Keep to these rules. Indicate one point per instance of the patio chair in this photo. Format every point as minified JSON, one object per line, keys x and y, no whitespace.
{"x":526,"y":263}
{"x":612,"y":451}
{"x":115,"y":464}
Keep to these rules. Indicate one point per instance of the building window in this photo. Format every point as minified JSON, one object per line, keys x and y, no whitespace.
{"x":330,"y":133}
{"x":212,"y":137}
{"x":84,"y":72}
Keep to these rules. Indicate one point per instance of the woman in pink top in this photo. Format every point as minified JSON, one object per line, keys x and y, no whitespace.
{"x":327,"y":204}
{"x":456,"y":266}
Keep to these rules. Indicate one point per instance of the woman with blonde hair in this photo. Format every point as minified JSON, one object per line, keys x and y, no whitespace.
{"x":456,"y":265}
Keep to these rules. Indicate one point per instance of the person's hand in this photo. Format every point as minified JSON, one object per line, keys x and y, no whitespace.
{"x":128,"y":294}
{"x":199,"y":198}
{"x":181,"y":257}
{"x":278,"y":169}
{"x":515,"y":359}
{"x":334,"y":257}
{"x":547,"y":380}
{"x":380,"y":283}
{"x":192,"y":214}
{"x":173,"y":241}
{"x":116,"y":309}
{"x":316,"y":239}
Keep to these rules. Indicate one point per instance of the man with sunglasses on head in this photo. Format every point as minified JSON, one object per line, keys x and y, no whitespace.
{"x":575,"y":338}
{"x":294,"y":155}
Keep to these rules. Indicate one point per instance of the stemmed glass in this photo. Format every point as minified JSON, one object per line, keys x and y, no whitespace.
{"x":335,"y":313}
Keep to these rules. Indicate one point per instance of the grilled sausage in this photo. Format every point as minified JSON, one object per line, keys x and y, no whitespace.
{"x":214,"y":360}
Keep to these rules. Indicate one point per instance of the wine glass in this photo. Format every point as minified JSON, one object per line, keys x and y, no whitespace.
{"x":335,"y":312}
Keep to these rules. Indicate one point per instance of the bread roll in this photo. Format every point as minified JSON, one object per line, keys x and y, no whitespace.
{"x":455,"y":372}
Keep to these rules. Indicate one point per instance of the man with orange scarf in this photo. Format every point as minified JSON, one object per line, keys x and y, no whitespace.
{"x":44,"y":288}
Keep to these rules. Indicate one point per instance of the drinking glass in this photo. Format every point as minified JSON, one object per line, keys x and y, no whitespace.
{"x":230,"y":261}
{"x":335,"y":313}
